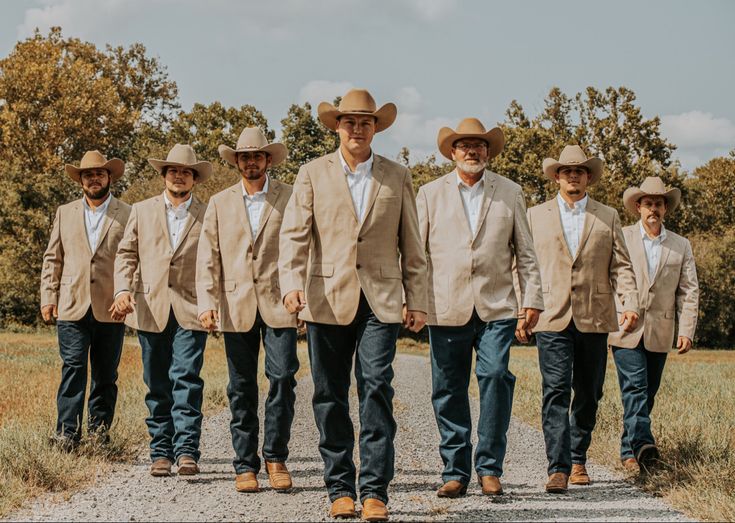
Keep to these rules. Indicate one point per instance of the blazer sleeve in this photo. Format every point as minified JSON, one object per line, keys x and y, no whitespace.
{"x":126,"y":259}
{"x":53,"y":264}
{"x":295,"y":236}
{"x":209,"y":263}
{"x":527,"y":272}
{"x":412,"y":250}
{"x":687,"y":295}
{"x":621,"y":272}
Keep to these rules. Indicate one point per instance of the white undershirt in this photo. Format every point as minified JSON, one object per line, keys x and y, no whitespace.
{"x":652,"y":246}
{"x":93,"y":219}
{"x":472,"y":200}
{"x":176,"y":219}
{"x":254,"y":205}
{"x":359,"y":182}
{"x":572,"y":221}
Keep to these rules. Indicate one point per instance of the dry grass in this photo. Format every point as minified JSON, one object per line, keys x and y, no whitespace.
{"x":29,"y":375}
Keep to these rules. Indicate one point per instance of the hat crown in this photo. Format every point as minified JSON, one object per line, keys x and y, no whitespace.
{"x":653,"y":185}
{"x":251,"y":138}
{"x":470,"y":126}
{"x":182,"y":153}
{"x":572,"y":154}
{"x":357,"y":101}
{"x":92,"y":159}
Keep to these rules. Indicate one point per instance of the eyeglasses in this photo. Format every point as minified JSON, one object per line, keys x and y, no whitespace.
{"x":466,"y":147}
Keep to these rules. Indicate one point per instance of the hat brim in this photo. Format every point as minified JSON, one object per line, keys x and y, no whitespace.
{"x":115,"y":166}
{"x":551,"y":168}
{"x":632,"y":195}
{"x":384,"y":117}
{"x":494,"y":137}
{"x":277,"y":151}
{"x":204,"y":169}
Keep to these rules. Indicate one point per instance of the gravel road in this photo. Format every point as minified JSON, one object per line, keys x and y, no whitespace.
{"x":131,"y":494}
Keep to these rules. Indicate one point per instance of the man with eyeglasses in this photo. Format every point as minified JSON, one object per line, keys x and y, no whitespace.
{"x":583,"y":259}
{"x":473,"y":225}
{"x":239,"y":295}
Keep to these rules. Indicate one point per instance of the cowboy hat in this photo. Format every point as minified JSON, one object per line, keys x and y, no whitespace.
{"x":183,"y":156}
{"x":573,"y":155}
{"x":470,"y":128}
{"x":253,"y":139}
{"x":652,"y":186}
{"x":357,"y":102}
{"x":95,"y":160}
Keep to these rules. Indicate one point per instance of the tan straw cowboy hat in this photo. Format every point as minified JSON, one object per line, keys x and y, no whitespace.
{"x":470,"y":128}
{"x":183,"y":156}
{"x":95,"y":160}
{"x":252,"y":139}
{"x":652,"y":186}
{"x":573,"y":156}
{"x":357,"y":102}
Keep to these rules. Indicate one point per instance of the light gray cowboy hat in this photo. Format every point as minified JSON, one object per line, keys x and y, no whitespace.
{"x":573,"y":155}
{"x":357,"y":102}
{"x":252,"y":139}
{"x":95,"y":160}
{"x":651,"y":186}
{"x":182,"y":155}
{"x":470,"y":128}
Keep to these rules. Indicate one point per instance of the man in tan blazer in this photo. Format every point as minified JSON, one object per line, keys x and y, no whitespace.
{"x":473,"y":224}
{"x":239,"y":294}
{"x":668,"y":292}
{"x":353,"y":217}
{"x":583,"y":258}
{"x":76,"y":292}
{"x":155,"y":284}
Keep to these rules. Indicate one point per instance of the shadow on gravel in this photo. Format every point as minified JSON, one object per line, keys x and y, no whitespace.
{"x":582,"y":514}
{"x":306,"y":473}
{"x":304,"y":459}
{"x":418,"y":472}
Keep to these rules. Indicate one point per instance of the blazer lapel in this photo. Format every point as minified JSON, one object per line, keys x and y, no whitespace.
{"x":378,"y":174}
{"x":590,"y":216}
{"x":162,"y":221}
{"x":665,"y":251}
{"x":487,"y":197}
{"x":553,"y":209}
{"x":194,"y":209}
{"x":107,"y":220}
{"x":456,"y":205}
{"x":638,"y":256}
{"x":241,"y":215}
{"x":340,"y":182}
{"x":81,"y":224}
{"x":271,"y":197}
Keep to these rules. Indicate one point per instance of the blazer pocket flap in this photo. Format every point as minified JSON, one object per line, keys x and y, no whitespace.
{"x":325,"y":270}
{"x":229,"y":285}
{"x":545,"y":287}
{"x":603,"y":288}
{"x":388,"y":271}
{"x":669,"y":315}
{"x":145,"y":288}
{"x":65,"y":280}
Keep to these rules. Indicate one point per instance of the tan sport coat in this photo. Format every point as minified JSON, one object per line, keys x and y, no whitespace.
{"x":673,"y":293}
{"x":469,"y":273}
{"x":237,"y":274}
{"x":382,"y":255}
{"x":73,"y":277}
{"x":581,"y":287}
{"x":160,"y":278}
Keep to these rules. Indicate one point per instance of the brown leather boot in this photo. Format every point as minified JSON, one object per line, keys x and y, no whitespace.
{"x":490,"y":485}
{"x":374,"y":510}
{"x":579,"y":475}
{"x":630,"y":465}
{"x":187,"y":466}
{"x":247,"y":482}
{"x":647,"y":457}
{"x":343,"y":508}
{"x":557,"y":483}
{"x":452,"y":489}
{"x":278,"y":475}
{"x":161,"y":467}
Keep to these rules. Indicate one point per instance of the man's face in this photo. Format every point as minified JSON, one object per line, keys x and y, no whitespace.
{"x":470,"y":155}
{"x":95,"y":183}
{"x":179,"y":180}
{"x":356,"y":133}
{"x":652,"y":210}
{"x":572,"y":180}
{"x":253,"y":165}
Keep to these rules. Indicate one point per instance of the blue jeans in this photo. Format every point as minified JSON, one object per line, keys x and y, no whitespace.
{"x":331,"y":350}
{"x":281,"y":364}
{"x":451,"y":365}
{"x":570,"y":360}
{"x":639,"y":376}
{"x":102,"y":344}
{"x":172,"y":361}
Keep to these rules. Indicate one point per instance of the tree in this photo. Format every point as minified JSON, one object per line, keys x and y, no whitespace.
{"x":711,"y":195}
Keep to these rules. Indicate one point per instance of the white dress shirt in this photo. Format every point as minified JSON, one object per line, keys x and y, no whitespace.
{"x":254,"y":205}
{"x":359,"y":183}
{"x":93,"y":219}
{"x":176,"y":219}
{"x":572,"y":221}
{"x":472,"y":200}
{"x":652,"y":246}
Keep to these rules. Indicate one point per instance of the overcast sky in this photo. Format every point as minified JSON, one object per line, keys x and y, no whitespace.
{"x":438,"y":60}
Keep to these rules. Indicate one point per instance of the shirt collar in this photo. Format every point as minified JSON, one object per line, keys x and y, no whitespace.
{"x":661,"y":237}
{"x":100,"y":208}
{"x":185,"y":206}
{"x":581,"y":204}
{"x":363,"y":168}
{"x":480,"y":182}
{"x":262,"y":192}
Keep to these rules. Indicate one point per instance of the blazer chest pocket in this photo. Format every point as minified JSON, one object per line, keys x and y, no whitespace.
{"x":669,"y":315}
{"x":322,"y":270}
{"x":65,"y":280}
{"x":229,"y":285}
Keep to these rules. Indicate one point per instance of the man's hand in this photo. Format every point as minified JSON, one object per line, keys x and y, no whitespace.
{"x":629,"y":320}
{"x":413,"y":320}
{"x":209,"y":320}
{"x":295,"y":301}
{"x":49,"y":314}
{"x":527,"y":320}
{"x":684,"y":345}
{"x":122,"y":306}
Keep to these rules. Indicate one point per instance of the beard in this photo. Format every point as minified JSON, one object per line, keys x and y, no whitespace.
{"x":179,"y":194}
{"x":471,"y":168}
{"x":96,"y":194}
{"x":252,"y":174}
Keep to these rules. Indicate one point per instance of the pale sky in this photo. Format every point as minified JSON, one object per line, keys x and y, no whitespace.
{"x":438,"y":60}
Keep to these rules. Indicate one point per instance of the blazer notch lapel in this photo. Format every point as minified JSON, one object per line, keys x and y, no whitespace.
{"x":487,"y":197}
{"x":81,"y":223}
{"x":638,"y":257}
{"x":555,"y":212}
{"x":457,"y":205}
{"x":665,"y":251}
{"x":377,"y":181}
{"x":589,"y":222}
{"x":340,"y":181}
{"x":110,"y":215}
{"x":241,"y":213}
{"x":195,"y":208}
{"x":271,"y":198}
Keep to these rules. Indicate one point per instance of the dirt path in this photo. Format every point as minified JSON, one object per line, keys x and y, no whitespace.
{"x":131,"y":494}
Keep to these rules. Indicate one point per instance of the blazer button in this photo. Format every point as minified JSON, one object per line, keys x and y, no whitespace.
{"x":91,"y":281}
{"x":255,"y":280}
{"x":170,"y":284}
{"x":359,"y":266}
{"x":359,"y":240}
{"x":573,"y":288}
{"x":255,"y":257}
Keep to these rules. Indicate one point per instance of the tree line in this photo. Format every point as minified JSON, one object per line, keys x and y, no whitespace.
{"x":60,"y":97}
